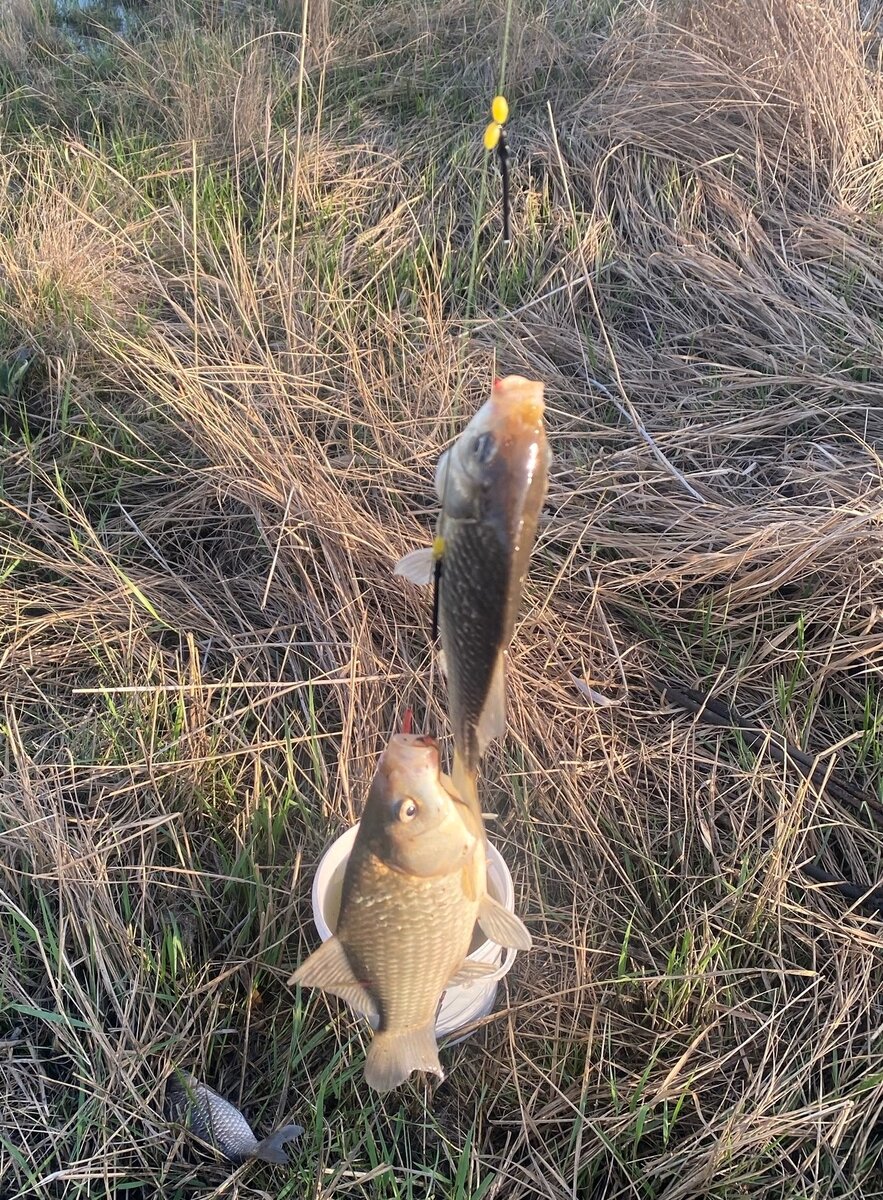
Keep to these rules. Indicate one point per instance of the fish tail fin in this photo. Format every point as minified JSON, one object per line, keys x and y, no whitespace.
{"x":272,"y":1148}
{"x":392,"y":1056}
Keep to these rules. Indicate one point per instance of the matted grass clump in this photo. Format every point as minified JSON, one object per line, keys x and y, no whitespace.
{"x":251,"y":282}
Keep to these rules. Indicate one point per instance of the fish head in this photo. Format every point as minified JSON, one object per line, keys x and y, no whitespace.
{"x":412,"y":821}
{"x":498,"y":453}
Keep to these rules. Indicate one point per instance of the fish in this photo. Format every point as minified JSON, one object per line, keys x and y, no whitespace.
{"x":218,"y":1122}
{"x":410,"y":900}
{"x":491,"y":484}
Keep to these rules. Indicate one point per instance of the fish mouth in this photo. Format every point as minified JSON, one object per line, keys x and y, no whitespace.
{"x":402,"y":744}
{"x":408,"y":753}
{"x":519,"y":400}
{"x":420,"y":739}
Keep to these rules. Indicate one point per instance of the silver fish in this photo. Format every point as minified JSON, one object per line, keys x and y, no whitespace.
{"x":491,"y":484}
{"x":218,"y":1122}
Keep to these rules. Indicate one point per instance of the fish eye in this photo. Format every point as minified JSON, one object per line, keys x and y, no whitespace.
{"x":406,"y":810}
{"x":484,"y":447}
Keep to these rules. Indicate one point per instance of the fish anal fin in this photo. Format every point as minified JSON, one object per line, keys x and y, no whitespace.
{"x":418,"y":566}
{"x":272,"y":1148}
{"x":394,"y":1054}
{"x":329,"y":970}
{"x":492,"y":724}
{"x":470,"y":972}
{"x":502,"y":926}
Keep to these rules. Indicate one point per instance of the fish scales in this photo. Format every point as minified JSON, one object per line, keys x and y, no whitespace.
{"x":474,"y":584}
{"x":409,"y":940}
{"x":225,"y":1126}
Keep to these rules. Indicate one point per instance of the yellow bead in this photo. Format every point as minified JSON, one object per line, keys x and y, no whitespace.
{"x":491,"y":136}
{"x":500,"y":109}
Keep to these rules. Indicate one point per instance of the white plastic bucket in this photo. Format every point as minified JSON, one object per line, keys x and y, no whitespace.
{"x":463,"y":1003}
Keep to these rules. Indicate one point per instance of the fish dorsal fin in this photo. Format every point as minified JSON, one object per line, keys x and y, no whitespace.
{"x":418,"y":566}
{"x":492,"y":724}
{"x":470,"y":971}
{"x":329,"y":970}
{"x":502,"y":926}
{"x":272,"y":1148}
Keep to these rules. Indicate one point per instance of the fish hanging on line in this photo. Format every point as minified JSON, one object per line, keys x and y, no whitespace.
{"x":413,"y":889}
{"x":491,"y":484}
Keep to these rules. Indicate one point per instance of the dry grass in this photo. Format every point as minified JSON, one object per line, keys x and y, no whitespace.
{"x":209,"y":88}
{"x":256,"y":323}
{"x":23,"y":21}
{"x":66,"y":257}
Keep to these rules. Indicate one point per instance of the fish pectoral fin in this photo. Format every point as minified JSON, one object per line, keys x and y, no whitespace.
{"x":394,"y":1054}
{"x":418,"y":566}
{"x":470,"y":972}
{"x":272,"y":1148}
{"x":502,"y":926}
{"x":329,"y":970}
{"x":492,"y":724}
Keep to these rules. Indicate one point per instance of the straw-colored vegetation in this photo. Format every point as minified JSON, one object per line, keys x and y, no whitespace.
{"x":257,"y":283}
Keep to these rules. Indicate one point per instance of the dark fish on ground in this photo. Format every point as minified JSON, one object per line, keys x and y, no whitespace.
{"x":491,"y":484}
{"x":413,"y":889}
{"x":218,"y":1122}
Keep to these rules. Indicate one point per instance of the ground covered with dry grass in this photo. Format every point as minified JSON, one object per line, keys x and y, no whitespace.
{"x":251,"y":282}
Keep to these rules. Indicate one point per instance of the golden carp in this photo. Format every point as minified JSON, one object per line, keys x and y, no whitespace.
{"x":491,"y":484}
{"x":413,"y":890}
